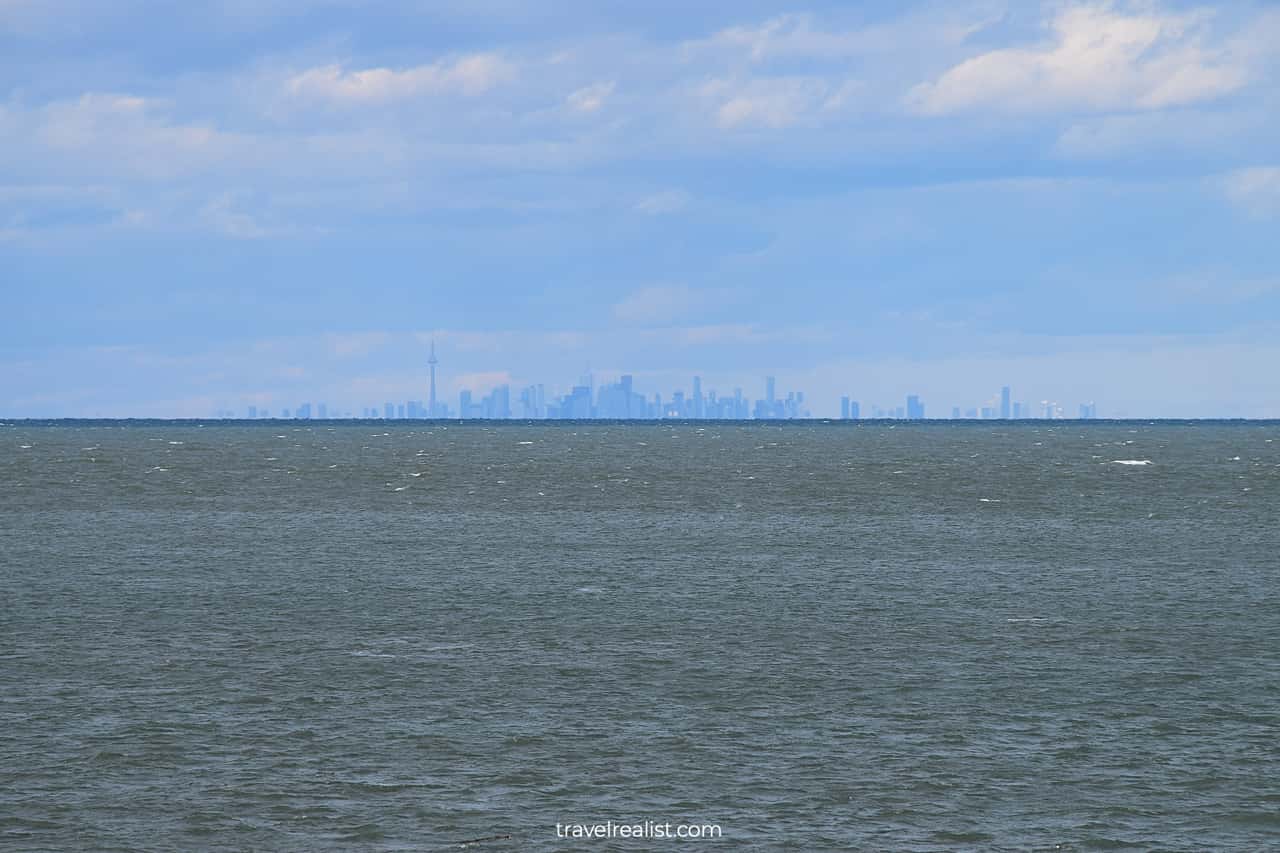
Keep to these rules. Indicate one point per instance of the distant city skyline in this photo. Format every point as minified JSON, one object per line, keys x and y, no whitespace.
{"x":614,"y":394}
{"x":620,"y":399}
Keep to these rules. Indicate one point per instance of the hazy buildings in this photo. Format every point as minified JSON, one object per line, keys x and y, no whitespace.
{"x":432,"y":361}
{"x":621,"y":401}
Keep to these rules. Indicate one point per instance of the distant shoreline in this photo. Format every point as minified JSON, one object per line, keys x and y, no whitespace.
{"x":836,"y":422}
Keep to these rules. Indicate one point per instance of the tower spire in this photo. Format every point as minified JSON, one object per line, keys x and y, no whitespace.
{"x":431,"y":400}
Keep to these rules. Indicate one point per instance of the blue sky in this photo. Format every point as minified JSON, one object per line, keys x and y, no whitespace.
{"x":204,"y":206}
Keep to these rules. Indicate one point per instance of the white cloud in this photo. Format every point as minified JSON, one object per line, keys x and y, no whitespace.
{"x":1141,"y":133}
{"x":355,"y":344}
{"x":591,"y":98}
{"x":789,"y":35}
{"x":124,"y":134}
{"x":801,"y":37}
{"x":772,"y":102}
{"x":1096,"y":58}
{"x":473,"y":74}
{"x":661,"y":303}
{"x":666,"y":303}
{"x":667,"y":201}
{"x":222,"y":215}
{"x":83,"y":122}
{"x":716,"y":335}
{"x":1255,"y":189}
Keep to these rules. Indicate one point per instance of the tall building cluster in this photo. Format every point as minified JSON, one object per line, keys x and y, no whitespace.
{"x":621,"y":401}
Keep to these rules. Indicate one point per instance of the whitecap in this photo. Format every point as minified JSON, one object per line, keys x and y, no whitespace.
{"x":1130,"y":461}
{"x":401,"y":488}
{"x":364,"y":654}
{"x":525,"y":442}
{"x":989,"y":500}
{"x":24,"y":447}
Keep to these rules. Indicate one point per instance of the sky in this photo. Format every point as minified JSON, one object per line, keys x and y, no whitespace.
{"x":266,"y":202}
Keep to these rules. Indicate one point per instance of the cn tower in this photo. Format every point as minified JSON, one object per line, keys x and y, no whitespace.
{"x":431,"y":400}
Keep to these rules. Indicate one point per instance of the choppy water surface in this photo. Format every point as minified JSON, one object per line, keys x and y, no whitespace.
{"x":820,"y":637}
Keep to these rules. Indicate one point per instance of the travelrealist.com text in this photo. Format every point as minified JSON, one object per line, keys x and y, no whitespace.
{"x":646,"y":829}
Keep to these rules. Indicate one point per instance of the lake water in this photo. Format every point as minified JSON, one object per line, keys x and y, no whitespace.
{"x":404,"y":636}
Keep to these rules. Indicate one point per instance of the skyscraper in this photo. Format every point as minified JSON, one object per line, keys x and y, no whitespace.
{"x":915,"y":409}
{"x":844,"y":408}
{"x":431,"y":398}
{"x":1004,"y":403}
{"x":627,"y":385}
{"x":769,"y":394}
{"x":697,"y":397}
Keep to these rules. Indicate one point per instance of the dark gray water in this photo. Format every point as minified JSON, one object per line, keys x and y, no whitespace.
{"x":818,"y":637}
